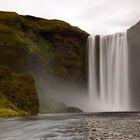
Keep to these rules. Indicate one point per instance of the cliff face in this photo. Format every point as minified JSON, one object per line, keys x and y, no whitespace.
{"x":18,"y":94}
{"x":51,"y":50}
{"x":134,"y":64}
{"x":53,"y":45}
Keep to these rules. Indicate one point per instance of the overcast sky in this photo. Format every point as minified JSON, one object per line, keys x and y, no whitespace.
{"x":93,"y":16}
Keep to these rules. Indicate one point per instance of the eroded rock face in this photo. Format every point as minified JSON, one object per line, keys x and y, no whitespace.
{"x":134,"y":64}
{"x":51,"y":50}
{"x":52,"y":44}
{"x":19,"y":91}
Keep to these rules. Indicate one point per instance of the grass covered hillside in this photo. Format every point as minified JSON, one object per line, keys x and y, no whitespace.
{"x":53,"y":44}
{"x":18,"y":94}
{"x":45,"y":48}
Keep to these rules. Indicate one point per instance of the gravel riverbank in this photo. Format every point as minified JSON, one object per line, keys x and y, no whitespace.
{"x":111,"y":126}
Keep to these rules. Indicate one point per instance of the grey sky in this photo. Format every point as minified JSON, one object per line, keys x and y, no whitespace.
{"x":93,"y":16}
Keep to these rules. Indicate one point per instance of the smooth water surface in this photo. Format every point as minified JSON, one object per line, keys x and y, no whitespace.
{"x":41,"y":127}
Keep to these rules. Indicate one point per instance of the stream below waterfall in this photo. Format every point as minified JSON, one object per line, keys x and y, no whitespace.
{"x":41,"y":127}
{"x":86,"y":126}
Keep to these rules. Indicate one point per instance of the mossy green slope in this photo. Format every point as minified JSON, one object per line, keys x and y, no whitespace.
{"x":52,"y":43}
{"x":43,"y":47}
{"x":18,"y":94}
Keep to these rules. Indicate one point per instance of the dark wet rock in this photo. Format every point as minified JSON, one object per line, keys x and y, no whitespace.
{"x":134,"y":64}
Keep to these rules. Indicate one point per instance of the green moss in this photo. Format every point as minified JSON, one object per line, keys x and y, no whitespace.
{"x":17,"y":92}
{"x":42,"y":47}
{"x":55,"y":44}
{"x":12,"y":48}
{"x":8,"y":15}
{"x":4,"y":112}
{"x":7,"y":108}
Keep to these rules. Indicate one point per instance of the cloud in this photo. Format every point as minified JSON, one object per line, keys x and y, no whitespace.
{"x":94,"y":16}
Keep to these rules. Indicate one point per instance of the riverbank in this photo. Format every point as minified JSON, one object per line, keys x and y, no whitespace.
{"x":112,"y":126}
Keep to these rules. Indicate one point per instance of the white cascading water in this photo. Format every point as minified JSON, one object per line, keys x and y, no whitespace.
{"x":108,"y":90}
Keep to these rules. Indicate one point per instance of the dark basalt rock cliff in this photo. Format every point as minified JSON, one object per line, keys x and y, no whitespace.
{"x":134,"y":64}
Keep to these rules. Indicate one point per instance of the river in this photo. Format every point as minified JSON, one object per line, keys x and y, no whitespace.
{"x":85,"y":126}
{"x":41,"y":127}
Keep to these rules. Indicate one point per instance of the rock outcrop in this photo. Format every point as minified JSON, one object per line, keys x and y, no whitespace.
{"x":18,"y":94}
{"x":134,"y":64}
{"x":41,"y":43}
{"x":51,"y":50}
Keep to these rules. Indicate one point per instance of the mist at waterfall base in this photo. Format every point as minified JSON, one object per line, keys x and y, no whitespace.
{"x":108,"y":73}
{"x":71,"y":94}
{"x":108,"y":86}
{"x":49,"y":86}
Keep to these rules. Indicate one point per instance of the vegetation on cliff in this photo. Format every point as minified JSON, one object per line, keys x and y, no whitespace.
{"x":18,"y":94}
{"x":42,"y":47}
{"x":51,"y":43}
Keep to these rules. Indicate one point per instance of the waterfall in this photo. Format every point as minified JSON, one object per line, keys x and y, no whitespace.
{"x":108,"y":73}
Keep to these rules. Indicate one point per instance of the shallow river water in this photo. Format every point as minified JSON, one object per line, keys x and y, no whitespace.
{"x":98,"y":126}
{"x":41,"y":127}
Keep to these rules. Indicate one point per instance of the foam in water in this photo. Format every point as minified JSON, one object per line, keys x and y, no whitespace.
{"x":108,"y":73}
